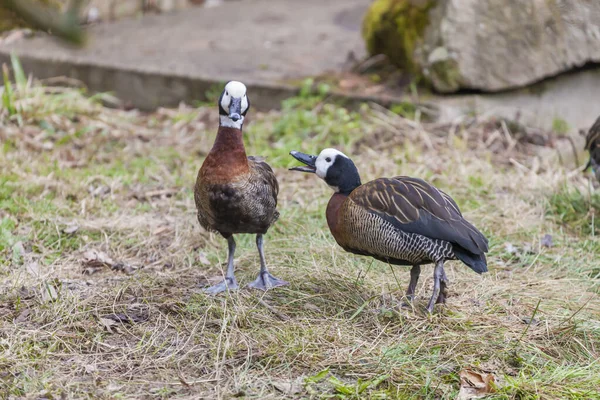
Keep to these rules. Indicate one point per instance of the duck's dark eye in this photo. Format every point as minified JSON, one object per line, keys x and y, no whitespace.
{"x":226,"y":94}
{"x":328,"y":159}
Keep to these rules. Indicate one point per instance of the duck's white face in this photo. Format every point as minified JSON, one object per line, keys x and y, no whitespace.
{"x":331,"y":165}
{"x":325,"y":160}
{"x":233,"y":105}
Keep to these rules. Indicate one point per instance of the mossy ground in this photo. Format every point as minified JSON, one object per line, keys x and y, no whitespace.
{"x":77,"y":177}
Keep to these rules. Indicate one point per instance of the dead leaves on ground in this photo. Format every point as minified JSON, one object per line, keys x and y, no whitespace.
{"x":135,"y":313}
{"x":474,"y":385}
{"x":94,"y":261}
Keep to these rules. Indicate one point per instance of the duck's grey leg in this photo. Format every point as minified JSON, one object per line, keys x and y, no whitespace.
{"x":438,"y":273}
{"x":414,"y":278}
{"x":443,"y":289}
{"x":229,"y":283}
{"x":265,"y":280}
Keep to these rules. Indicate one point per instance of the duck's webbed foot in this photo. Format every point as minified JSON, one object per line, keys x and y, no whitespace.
{"x":229,"y":283}
{"x":266,"y":281}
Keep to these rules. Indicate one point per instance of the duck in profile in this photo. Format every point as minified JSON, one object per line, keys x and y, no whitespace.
{"x":400,"y":220}
{"x":592,"y":144}
{"x":235,"y":193}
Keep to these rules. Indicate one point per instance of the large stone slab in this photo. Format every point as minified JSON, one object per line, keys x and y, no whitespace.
{"x":487,"y":45}
{"x":160,"y":60}
{"x":573,"y":98}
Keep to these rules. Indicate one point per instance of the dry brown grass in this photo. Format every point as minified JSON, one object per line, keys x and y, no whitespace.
{"x":138,"y":326}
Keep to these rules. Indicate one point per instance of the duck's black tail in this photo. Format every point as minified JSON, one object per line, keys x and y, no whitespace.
{"x":476,"y":262}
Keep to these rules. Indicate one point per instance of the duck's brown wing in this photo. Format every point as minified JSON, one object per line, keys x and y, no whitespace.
{"x":592,"y":139}
{"x":264,"y":181}
{"x":592,"y":144}
{"x":415,"y":206}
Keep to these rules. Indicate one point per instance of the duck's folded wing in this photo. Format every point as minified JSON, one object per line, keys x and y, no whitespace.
{"x":592,"y":139}
{"x":414,"y":206}
{"x":264,"y":175}
{"x":592,"y":144}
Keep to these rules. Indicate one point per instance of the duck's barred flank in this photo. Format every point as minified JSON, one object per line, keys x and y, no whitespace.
{"x":380,"y":239}
{"x":417,"y":207}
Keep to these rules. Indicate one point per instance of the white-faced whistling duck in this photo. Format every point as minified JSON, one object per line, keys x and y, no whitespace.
{"x":592,"y":144}
{"x":400,"y":220}
{"x":235,"y":193}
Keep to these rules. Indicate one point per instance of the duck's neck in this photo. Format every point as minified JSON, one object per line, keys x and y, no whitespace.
{"x":333,"y":209}
{"x":229,"y":140}
{"x":227,"y":158}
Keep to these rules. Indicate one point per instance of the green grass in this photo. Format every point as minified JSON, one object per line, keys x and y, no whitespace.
{"x":125,"y":180}
{"x":575,"y":209}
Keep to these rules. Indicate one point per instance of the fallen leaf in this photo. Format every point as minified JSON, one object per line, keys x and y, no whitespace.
{"x":26,"y":293}
{"x":99,"y":191}
{"x":90,"y":271}
{"x":547,"y":241}
{"x":71,"y":228}
{"x":529,"y":321}
{"x":113,"y":387}
{"x":125,"y":268}
{"x":126,"y":318}
{"x":288,"y":387}
{"x":528,"y":249}
{"x":33,"y":268}
{"x":94,"y":260}
{"x":18,"y":250}
{"x":49,"y":292}
{"x":107,"y":323}
{"x":203,"y":259}
{"x":474,"y":384}
{"x":510,"y":248}
{"x":92,"y":257}
{"x":160,"y":230}
{"x":23,"y":316}
{"x":90,"y":369}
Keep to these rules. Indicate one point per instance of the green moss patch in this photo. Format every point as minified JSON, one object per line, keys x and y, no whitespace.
{"x":394,"y":27}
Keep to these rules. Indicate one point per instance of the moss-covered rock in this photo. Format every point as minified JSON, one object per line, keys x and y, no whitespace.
{"x":442,"y":71}
{"x":9,"y":20}
{"x":395,"y":27}
{"x":491,"y":45}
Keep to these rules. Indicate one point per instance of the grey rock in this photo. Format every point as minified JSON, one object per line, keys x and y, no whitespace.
{"x":502,"y":44}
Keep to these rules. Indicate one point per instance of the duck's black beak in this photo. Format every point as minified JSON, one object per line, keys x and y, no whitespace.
{"x":235,"y":109}
{"x":305,"y":159}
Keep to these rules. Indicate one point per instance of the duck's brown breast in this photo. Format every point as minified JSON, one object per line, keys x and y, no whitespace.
{"x":335,"y":217}
{"x":234,"y":193}
{"x":226,"y":162}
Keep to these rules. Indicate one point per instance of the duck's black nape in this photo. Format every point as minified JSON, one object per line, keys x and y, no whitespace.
{"x":343,"y":174}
